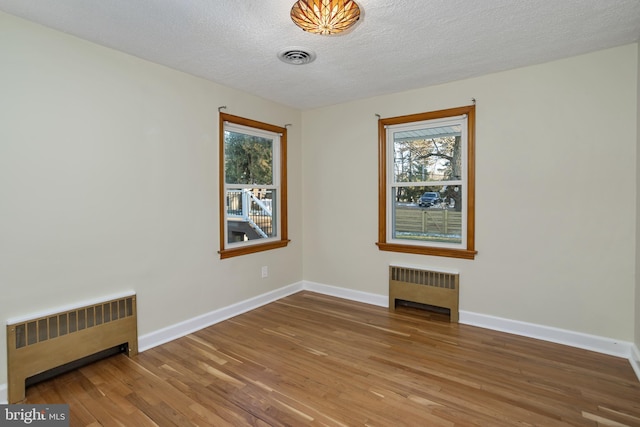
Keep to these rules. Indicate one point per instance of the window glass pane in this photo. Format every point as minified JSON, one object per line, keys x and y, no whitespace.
{"x":428,"y":154}
{"x":248,"y":159}
{"x":427,"y":214}
{"x":250,"y":214}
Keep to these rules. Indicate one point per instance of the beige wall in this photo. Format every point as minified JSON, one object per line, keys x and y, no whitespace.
{"x":108,"y":182}
{"x":556,"y":186}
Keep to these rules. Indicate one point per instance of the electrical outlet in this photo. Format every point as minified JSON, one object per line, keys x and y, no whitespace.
{"x":265,"y":271}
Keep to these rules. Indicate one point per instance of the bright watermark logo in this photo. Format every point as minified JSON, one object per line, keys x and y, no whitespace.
{"x":34,"y":415}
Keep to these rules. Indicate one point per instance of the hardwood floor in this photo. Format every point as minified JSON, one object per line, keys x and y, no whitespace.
{"x":311,"y":359}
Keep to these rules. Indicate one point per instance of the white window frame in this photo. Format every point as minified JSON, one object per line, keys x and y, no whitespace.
{"x":275,"y":185}
{"x":452,"y":121}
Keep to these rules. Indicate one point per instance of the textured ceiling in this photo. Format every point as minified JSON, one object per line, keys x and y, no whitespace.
{"x":397,"y":45}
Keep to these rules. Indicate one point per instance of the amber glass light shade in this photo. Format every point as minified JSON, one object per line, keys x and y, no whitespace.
{"x":325,"y":16}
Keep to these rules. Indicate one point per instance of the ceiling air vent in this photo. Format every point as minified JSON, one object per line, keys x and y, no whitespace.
{"x":296,"y":56}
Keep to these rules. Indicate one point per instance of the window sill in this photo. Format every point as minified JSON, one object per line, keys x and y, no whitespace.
{"x":250,"y":249}
{"x":423,"y":250}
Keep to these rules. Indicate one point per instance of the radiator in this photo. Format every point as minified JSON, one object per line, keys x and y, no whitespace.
{"x":42,"y":343}
{"x":435,"y":288}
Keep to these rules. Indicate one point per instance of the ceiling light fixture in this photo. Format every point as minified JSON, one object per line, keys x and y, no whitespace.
{"x":325,"y":16}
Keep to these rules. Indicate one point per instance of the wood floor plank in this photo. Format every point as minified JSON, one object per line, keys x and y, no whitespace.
{"x":316,"y":360}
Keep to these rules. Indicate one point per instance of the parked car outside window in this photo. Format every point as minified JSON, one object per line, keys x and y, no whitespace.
{"x":429,"y":199}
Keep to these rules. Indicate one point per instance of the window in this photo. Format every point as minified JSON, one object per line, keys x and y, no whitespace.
{"x":426,"y":183}
{"x":253,"y":186}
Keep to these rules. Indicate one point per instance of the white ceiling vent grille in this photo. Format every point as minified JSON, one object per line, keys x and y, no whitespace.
{"x":296,"y":56}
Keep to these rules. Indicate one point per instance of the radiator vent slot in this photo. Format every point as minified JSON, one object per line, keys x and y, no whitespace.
{"x":436,"y":279}
{"x":61,"y":324}
{"x":429,"y":287}
{"x":44,"y":343}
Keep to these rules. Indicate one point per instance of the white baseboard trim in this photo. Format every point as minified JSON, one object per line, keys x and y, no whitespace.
{"x":350,"y":294}
{"x":561,"y":336}
{"x":189,"y":326}
{"x":635,"y":360}
{"x":595,"y":343}
{"x":546,"y":333}
{"x":626,"y":350}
